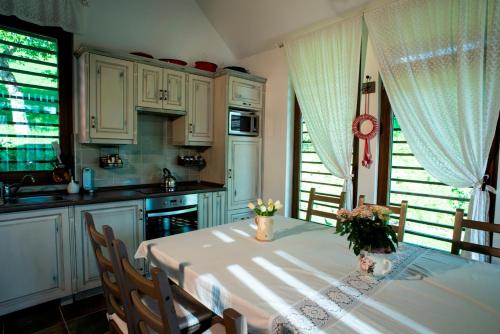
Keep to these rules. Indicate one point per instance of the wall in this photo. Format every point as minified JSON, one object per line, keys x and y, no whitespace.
{"x":163,"y":28}
{"x":144,"y":162}
{"x":278,"y":124}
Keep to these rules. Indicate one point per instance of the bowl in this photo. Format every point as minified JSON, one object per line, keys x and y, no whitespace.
{"x":142,"y":54}
{"x":174,"y":61}
{"x":205,"y":66}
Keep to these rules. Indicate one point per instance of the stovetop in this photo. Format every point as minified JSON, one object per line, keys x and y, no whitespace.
{"x":180,"y":188}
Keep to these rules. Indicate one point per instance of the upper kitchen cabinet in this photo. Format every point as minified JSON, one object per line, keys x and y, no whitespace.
{"x":106,"y":103}
{"x":160,"y":88}
{"x":245,"y":93}
{"x":196,"y":128}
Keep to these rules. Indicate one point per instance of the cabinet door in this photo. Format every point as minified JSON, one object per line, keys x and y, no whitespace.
{"x":200,"y":109}
{"x":34,"y":257}
{"x":244,"y":171}
{"x":149,"y":86}
{"x":111,"y":98}
{"x":204,"y":210}
{"x":126,"y":220}
{"x":245,"y":93}
{"x":174,"y":86}
{"x":219,"y":208}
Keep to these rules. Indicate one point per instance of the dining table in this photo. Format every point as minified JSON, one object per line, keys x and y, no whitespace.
{"x":307,"y":280}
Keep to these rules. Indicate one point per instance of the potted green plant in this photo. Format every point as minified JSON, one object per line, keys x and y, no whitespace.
{"x":369,"y":235}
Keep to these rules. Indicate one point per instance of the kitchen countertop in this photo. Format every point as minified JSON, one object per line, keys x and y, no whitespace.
{"x":112,"y":194}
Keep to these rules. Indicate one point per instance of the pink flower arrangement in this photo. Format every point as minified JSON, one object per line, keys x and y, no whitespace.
{"x":367,"y":228}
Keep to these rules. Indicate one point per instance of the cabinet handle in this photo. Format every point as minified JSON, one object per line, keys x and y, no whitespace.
{"x":191,"y":127}
{"x":165,"y":96}
{"x":93,"y":122}
{"x":161,"y":95}
{"x":229,"y":173}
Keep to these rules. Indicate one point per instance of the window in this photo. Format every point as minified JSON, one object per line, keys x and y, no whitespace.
{"x":431,"y":204}
{"x":309,"y":172}
{"x":35,"y":98}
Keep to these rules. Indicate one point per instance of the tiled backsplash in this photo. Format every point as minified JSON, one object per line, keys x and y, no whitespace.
{"x":143,"y":162}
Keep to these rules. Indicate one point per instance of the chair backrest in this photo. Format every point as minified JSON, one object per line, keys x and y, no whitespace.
{"x":109,"y":279}
{"x":313,"y":197}
{"x":461,"y":223}
{"x":397,"y":210}
{"x":151,"y":301}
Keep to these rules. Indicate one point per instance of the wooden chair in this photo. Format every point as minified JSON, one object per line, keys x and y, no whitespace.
{"x":117,"y":307}
{"x":321,"y":198}
{"x":398,"y":210}
{"x":460,"y":224}
{"x":153,"y":303}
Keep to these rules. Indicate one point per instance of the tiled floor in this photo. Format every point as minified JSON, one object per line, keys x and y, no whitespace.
{"x":87,"y":316}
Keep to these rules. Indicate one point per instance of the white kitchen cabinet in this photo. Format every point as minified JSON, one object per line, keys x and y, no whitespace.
{"x":149,"y":86}
{"x":245,"y":93}
{"x":204,"y":210}
{"x":160,"y":88}
{"x":239,"y":215}
{"x":211,"y":209}
{"x":196,"y":128}
{"x":244,"y":171}
{"x":35,"y":255}
{"x":106,"y":101}
{"x":174,"y":90}
{"x":127,"y":221}
{"x":218,"y":208}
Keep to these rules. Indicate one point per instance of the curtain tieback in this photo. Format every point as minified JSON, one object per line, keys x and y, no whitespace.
{"x":481,"y":185}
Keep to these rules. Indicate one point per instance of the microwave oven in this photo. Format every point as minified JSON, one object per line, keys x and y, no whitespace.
{"x":243,"y":122}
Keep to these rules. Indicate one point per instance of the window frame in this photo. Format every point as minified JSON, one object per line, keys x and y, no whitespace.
{"x":385,"y":151}
{"x":65,"y":90}
{"x":297,"y":145}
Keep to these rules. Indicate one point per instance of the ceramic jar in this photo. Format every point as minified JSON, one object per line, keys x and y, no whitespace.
{"x":377,"y":264}
{"x":264,"y":228}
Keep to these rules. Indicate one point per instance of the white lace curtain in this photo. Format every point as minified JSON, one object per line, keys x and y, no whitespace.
{"x":67,"y":14}
{"x":440,"y":63}
{"x":324,"y":68}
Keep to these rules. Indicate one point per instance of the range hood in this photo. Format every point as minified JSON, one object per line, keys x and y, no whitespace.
{"x":161,"y":112}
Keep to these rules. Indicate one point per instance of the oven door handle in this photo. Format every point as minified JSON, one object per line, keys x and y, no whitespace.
{"x":170,"y":213}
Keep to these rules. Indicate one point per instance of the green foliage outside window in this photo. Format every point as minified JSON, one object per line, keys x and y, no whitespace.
{"x":29,"y":109}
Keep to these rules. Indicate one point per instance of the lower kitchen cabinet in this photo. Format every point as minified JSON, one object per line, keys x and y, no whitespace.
{"x":35,"y":258}
{"x":127,"y":221}
{"x":219,"y":208}
{"x":211,"y":209}
{"x":238,"y":215}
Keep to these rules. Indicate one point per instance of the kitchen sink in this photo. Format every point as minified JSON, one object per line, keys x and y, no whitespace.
{"x":35,"y":199}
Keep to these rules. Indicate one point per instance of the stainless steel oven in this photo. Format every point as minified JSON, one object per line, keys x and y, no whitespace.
{"x":168,"y":215}
{"x":243,"y":122}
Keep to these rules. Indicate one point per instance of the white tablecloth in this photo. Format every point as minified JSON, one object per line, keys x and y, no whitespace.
{"x":287,"y":280}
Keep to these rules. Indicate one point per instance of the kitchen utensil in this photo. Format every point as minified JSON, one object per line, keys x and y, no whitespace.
{"x":169,"y":180}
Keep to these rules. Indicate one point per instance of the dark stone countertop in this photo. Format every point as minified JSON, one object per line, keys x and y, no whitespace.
{"x":111,"y":194}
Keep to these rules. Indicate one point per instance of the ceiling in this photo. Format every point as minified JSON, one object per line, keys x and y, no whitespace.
{"x":252,"y":26}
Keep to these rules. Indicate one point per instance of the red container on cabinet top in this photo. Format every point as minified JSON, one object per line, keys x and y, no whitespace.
{"x":206,"y":66}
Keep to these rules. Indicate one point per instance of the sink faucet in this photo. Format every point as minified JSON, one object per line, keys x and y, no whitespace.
{"x":10,"y":190}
